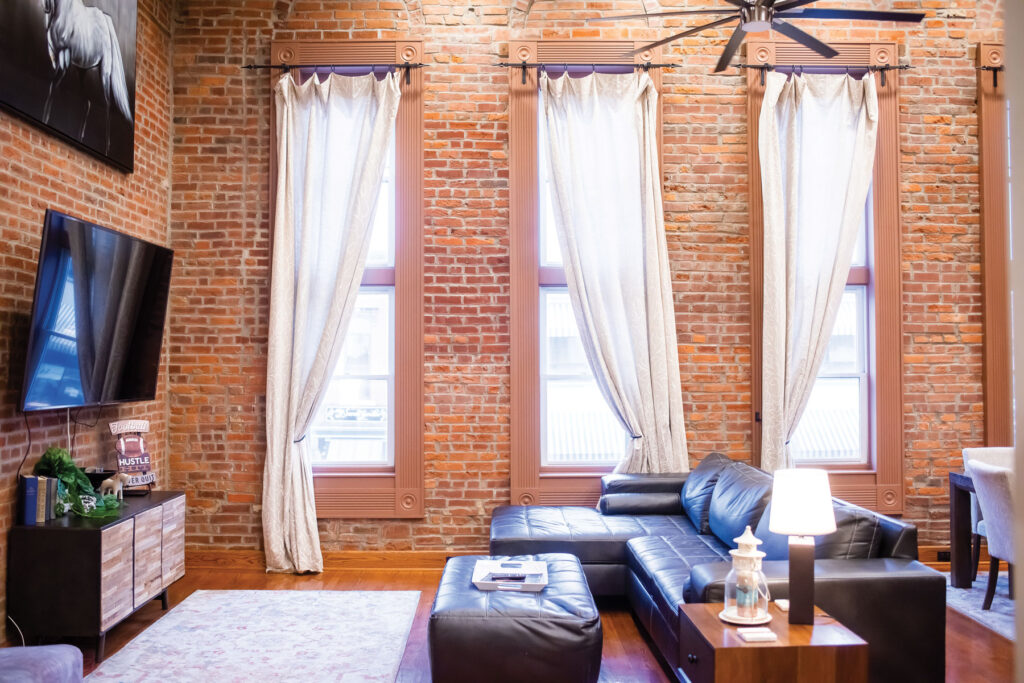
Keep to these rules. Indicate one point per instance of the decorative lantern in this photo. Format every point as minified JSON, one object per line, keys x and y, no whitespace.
{"x":746,"y":589}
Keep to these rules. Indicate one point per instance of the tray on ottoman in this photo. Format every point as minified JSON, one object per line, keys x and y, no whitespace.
{"x":552,"y":635}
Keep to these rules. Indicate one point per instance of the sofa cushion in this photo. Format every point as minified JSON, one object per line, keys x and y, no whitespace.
{"x":739,"y":499}
{"x":639,"y":504}
{"x":643,"y":483}
{"x":858,"y":536}
{"x":662,"y":565}
{"x":696,"y":495}
{"x":583,"y":531}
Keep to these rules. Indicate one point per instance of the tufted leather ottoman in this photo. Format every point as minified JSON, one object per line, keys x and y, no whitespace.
{"x":496,"y":636}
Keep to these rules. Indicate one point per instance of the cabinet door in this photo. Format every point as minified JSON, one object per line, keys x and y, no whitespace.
{"x":116,"y":595}
{"x":173,"y":540}
{"x":148,"y":566}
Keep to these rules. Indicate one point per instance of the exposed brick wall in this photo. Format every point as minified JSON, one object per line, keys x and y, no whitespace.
{"x":220,"y":229}
{"x":37,"y":172}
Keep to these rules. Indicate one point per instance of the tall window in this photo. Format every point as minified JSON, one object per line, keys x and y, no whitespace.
{"x":835,"y":426}
{"x":578,"y":428}
{"x":366,"y":441}
{"x":564,"y":435}
{"x":853,"y":422}
{"x":355,"y":423}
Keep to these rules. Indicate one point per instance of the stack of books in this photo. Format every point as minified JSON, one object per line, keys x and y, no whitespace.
{"x":37,"y":497}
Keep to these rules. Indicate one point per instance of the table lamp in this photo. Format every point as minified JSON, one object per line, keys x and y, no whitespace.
{"x":801,"y":509}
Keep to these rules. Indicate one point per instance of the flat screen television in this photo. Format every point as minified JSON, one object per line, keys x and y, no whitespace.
{"x":97,"y":317}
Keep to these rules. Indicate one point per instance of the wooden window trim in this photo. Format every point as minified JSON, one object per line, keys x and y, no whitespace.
{"x":879,"y":486}
{"x":530,"y":483}
{"x":992,"y":170}
{"x":374,"y":492}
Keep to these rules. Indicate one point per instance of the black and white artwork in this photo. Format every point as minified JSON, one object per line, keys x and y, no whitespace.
{"x":69,"y":66}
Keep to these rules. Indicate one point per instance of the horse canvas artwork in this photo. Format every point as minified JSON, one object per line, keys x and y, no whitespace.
{"x":69,"y":67}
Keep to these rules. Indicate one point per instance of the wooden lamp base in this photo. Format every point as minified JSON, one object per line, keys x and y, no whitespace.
{"x":801,"y":579}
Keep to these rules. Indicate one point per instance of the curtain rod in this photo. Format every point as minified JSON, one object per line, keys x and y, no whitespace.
{"x":881,"y":68}
{"x":408,"y":66}
{"x":593,"y":65}
{"x":995,"y":73}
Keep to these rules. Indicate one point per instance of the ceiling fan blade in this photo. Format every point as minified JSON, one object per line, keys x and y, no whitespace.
{"x":730,"y":49}
{"x":681,"y":35}
{"x":727,"y":10}
{"x":791,"y":4}
{"x":804,"y":38}
{"x":856,"y":14}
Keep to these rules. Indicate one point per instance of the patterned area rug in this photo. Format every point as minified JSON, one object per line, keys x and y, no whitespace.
{"x":968,"y":601}
{"x":270,"y":635}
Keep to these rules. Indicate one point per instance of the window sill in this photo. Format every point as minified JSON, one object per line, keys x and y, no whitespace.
{"x":353,"y":472}
{"x":569,"y":472}
{"x":839,"y":468}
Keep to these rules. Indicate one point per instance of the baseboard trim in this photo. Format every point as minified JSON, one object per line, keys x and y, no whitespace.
{"x":929,"y":555}
{"x":241,"y":559}
{"x":205,"y":558}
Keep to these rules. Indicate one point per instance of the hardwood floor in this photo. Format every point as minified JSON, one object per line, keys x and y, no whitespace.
{"x":973,"y":653}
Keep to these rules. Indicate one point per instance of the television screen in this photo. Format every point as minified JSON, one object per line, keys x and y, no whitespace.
{"x":97,"y":317}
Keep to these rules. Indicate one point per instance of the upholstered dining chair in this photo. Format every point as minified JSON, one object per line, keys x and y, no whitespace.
{"x":995,"y":496}
{"x":994,"y":455}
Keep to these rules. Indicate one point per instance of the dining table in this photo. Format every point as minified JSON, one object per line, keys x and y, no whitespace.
{"x":961,"y":486}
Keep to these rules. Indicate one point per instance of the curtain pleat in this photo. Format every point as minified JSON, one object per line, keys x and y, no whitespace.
{"x":603,"y":150}
{"x":817,"y":148}
{"x":332,"y":138}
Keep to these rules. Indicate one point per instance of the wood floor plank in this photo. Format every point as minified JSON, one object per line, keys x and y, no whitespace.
{"x":973,"y":652}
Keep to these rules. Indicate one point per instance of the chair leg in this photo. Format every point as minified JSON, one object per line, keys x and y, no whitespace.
{"x":1010,"y":567}
{"x":993,"y":576}
{"x":975,"y":555}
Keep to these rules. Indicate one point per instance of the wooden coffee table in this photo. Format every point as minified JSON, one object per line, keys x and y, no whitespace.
{"x":710,"y":651}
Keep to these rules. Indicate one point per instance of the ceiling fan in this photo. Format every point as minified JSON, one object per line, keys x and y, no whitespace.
{"x":761,"y":15}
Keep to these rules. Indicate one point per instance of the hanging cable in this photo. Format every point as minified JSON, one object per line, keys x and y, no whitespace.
{"x":28,"y":448}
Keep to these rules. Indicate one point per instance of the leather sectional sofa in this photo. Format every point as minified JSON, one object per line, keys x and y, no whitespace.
{"x":663,"y":540}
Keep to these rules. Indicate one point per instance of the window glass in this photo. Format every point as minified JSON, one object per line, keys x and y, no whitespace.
{"x":834,"y":425}
{"x":382,"y":236}
{"x":353,"y":425}
{"x":860,"y":250}
{"x":577,"y":426}
{"x":550,"y":251}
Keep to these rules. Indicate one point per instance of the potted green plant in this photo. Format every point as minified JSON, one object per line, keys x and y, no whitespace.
{"x":74,"y":491}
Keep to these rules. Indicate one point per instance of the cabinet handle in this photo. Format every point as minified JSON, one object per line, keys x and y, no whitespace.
{"x":691,"y":658}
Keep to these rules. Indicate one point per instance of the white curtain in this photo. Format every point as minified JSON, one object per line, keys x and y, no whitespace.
{"x":817,"y":149}
{"x":332,"y":137}
{"x":603,"y":148}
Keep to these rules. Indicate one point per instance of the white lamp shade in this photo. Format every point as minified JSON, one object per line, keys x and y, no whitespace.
{"x":801,"y":503}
